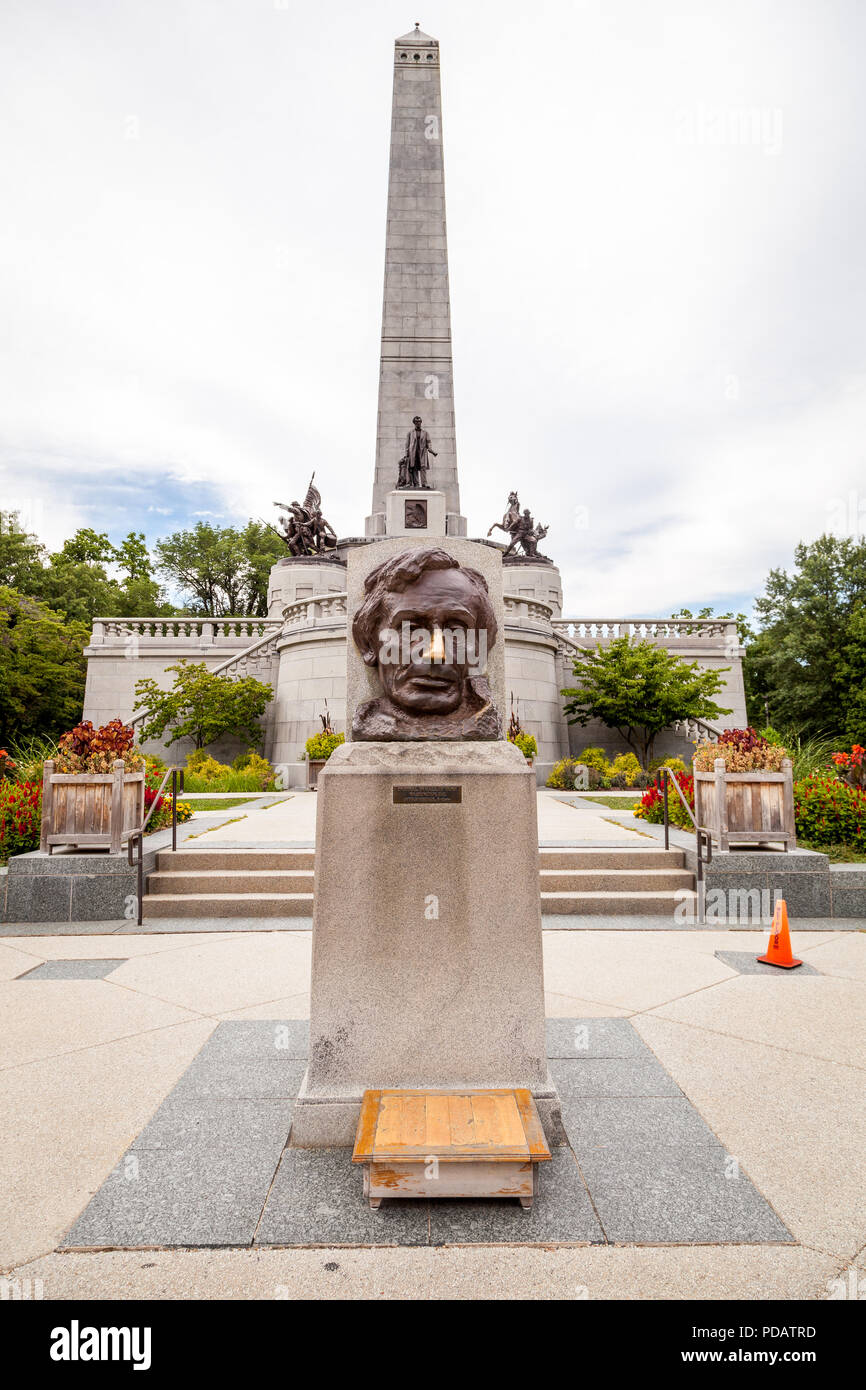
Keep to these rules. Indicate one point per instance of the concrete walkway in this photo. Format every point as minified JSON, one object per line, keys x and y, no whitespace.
{"x":293,"y":821}
{"x":774,"y":1065}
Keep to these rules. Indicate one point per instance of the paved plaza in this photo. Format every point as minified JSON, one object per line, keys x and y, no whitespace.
{"x":714,"y":1117}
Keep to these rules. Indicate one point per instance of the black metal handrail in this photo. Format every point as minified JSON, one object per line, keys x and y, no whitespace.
{"x":137,"y":836}
{"x":702,"y":837}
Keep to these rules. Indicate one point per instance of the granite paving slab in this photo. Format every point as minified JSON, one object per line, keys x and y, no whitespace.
{"x":611,"y":1076}
{"x":218,"y":1124}
{"x":670,"y":1193}
{"x":73,"y":969}
{"x":562,"y":1212}
{"x":594,"y":1037}
{"x":317,"y":1199}
{"x":747,"y":963}
{"x":211,"y":1168}
{"x":168,"y":1197}
{"x":245,"y":1039}
{"x":251,"y":1078}
{"x":617,"y":1123}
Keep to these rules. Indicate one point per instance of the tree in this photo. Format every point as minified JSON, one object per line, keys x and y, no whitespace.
{"x":640,"y":689}
{"x":806,"y":668}
{"x":141,"y":594}
{"x":21,"y":556}
{"x":203,"y":706}
{"x":264,"y":548}
{"x":223,"y":570}
{"x":76,"y":579}
{"x":42,"y":668}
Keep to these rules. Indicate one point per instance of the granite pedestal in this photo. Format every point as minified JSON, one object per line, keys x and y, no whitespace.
{"x":427,"y":965}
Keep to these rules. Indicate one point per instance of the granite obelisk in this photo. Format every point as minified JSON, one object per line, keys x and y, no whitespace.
{"x":415,"y":373}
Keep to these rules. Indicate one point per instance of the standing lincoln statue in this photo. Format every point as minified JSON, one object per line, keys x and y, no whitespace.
{"x":414,"y":464}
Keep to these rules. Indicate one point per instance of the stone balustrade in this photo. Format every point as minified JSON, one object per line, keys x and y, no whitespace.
{"x":518,"y":606}
{"x":183,"y":631}
{"x":319,"y":608}
{"x":652,"y":629}
{"x":695,"y":730}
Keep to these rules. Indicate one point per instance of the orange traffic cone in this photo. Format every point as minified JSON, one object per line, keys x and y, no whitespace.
{"x":779,"y":946}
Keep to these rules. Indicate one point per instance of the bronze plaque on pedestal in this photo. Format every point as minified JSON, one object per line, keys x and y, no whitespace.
{"x":426,"y":796}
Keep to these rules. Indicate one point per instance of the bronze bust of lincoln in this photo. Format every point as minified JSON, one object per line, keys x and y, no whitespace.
{"x":426,"y":624}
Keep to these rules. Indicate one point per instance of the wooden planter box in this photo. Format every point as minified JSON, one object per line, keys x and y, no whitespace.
{"x":746,"y":807}
{"x":99,"y":810}
{"x":314,"y":767}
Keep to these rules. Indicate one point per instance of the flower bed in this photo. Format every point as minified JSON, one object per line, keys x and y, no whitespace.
{"x":20,"y":817}
{"x":830,"y":812}
{"x":651,"y":806}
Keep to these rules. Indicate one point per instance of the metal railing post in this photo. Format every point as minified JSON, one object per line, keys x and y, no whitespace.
{"x":701,"y":886}
{"x":174,"y":808}
{"x":140,"y":878}
{"x":667,"y":822}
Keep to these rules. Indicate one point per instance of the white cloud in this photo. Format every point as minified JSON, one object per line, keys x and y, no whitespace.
{"x":657,"y":301}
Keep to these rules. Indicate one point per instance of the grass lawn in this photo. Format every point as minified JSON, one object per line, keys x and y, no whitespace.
{"x":229,"y":782}
{"x":614,"y":803}
{"x":215,"y":803}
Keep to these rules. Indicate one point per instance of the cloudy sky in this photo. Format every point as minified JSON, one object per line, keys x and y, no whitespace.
{"x":657,"y":216}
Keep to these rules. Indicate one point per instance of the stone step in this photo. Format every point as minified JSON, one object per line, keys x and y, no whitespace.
{"x":613,"y":880}
{"x":614,"y":858}
{"x":227,"y":905}
{"x":662,"y":904}
{"x":217,"y":858}
{"x":224,"y":881}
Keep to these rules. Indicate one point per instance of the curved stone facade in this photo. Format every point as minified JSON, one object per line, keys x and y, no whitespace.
{"x":301,"y":650}
{"x":301,"y":576}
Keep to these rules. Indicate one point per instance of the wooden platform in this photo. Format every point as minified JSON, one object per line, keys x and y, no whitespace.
{"x":449,"y":1144}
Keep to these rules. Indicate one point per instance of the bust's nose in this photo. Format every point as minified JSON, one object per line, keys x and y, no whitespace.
{"x":436,"y":648}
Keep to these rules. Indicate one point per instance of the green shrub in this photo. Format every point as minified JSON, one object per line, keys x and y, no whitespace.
{"x":828,"y":811}
{"x":321,"y":745}
{"x":205,"y":774}
{"x":208,"y":770}
{"x":772,"y":735}
{"x":562,"y":775}
{"x":628,"y":767}
{"x":527,"y":745}
{"x":675,"y":765}
{"x":258,"y":769}
{"x":594,"y":757}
